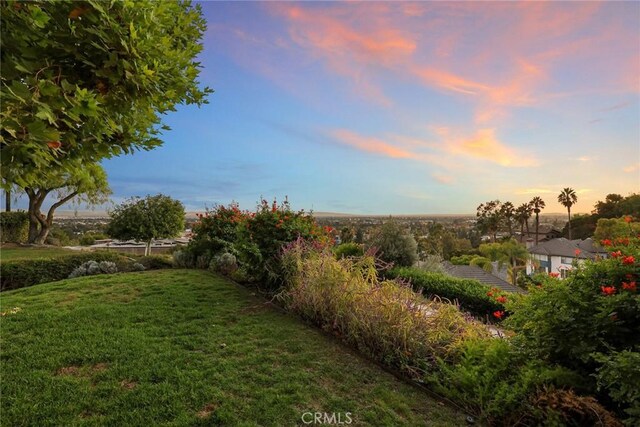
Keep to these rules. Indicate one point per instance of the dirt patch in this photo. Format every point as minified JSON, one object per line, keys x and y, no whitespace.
{"x":82,"y":371}
{"x":128,"y":385}
{"x":69,"y":370}
{"x":206,"y":411}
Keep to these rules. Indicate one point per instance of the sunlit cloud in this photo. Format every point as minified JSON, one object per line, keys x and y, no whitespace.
{"x":485,"y":145}
{"x":442,"y":179}
{"x":632,"y":168}
{"x":371,"y":145}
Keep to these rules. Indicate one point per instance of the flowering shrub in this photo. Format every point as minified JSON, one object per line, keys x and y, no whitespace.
{"x":582,"y":321}
{"x":253,"y":239}
{"x":263,"y":234}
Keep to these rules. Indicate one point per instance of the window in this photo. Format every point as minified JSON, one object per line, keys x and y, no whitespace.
{"x":566,"y":260}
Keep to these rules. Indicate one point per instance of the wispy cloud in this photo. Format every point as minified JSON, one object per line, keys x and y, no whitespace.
{"x":632,"y":168}
{"x":371,"y":145}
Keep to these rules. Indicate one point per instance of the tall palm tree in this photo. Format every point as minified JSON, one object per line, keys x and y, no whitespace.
{"x":522,"y":215}
{"x":568,"y":198}
{"x":537,"y":204}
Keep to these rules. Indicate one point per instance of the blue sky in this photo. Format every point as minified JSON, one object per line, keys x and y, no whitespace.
{"x":390,"y":108}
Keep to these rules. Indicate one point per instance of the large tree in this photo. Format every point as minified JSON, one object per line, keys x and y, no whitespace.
{"x":507,"y":211}
{"x":86,"y":80}
{"x":154,"y":217}
{"x":82,"y":183}
{"x":537,"y":204}
{"x":568,"y":198}
{"x":489,"y":216}
{"x":91,"y":79}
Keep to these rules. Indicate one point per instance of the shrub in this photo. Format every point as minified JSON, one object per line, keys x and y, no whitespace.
{"x":348,"y":250}
{"x":14,"y":227}
{"x":184,"y":259}
{"x":394,"y":244}
{"x":618,"y":376}
{"x":89,"y":239}
{"x":384,"y":319}
{"x":58,"y":237}
{"x":136,"y":266}
{"x":472,"y":295}
{"x":264,"y":233}
{"x":494,"y":381}
{"x":91,"y":268}
{"x":26,"y":272}
{"x":156,"y":262}
{"x":224,"y":263}
{"x":588,"y":321}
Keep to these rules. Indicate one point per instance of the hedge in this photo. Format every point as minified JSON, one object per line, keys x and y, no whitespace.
{"x":470,"y":294}
{"x":27,"y":272}
{"x":14,"y":227}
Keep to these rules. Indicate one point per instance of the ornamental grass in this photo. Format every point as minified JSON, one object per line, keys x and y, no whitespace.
{"x":384,"y":319}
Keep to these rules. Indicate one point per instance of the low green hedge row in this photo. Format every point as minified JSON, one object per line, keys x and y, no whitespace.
{"x":27,"y":272}
{"x":470,"y":294}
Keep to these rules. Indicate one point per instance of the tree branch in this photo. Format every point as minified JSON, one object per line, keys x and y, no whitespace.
{"x":59,"y":203}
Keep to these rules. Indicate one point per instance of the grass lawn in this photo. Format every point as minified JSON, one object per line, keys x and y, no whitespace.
{"x":183,"y":347}
{"x":10,"y":252}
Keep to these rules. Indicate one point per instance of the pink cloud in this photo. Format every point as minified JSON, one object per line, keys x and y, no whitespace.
{"x":371,"y":145}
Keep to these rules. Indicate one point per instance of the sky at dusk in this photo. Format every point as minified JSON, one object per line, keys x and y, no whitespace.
{"x":392,"y":108}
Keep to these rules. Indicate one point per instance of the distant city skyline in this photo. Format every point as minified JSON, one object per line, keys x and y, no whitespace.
{"x":404,"y":108}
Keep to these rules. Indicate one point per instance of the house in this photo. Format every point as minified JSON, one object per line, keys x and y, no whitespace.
{"x":559,"y":255}
{"x":545,"y":233}
{"x":474,"y":272}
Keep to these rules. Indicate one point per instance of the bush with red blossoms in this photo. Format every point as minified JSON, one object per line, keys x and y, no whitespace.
{"x":254,"y":238}
{"x":587,"y":322}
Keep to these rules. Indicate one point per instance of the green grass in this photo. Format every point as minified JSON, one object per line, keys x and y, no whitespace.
{"x":183,"y":347}
{"x":8,"y":253}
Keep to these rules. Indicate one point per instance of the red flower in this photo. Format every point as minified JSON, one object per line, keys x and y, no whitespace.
{"x":605,"y":242}
{"x":622,"y":241}
{"x":577,"y":252}
{"x":631,"y":286}
{"x":489,"y":294}
{"x":616,"y":254}
{"x":54,"y":144}
{"x":554,"y":274}
{"x":498,"y":314}
{"x":628,"y":219}
{"x":501,"y":299}
{"x":608,"y":290}
{"x":628,"y":260}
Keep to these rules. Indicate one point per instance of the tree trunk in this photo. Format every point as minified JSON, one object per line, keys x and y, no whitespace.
{"x":147,"y":249}
{"x":526,"y":222}
{"x":522,"y":229}
{"x":40,"y":225}
{"x":7,"y":200}
{"x":537,"y":223}
{"x":45,"y":228}
{"x":36,"y":198}
{"x":569,"y":212}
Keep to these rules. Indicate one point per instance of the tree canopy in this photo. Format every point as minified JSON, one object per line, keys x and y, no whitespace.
{"x":154,"y":217}
{"x":91,"y":79}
